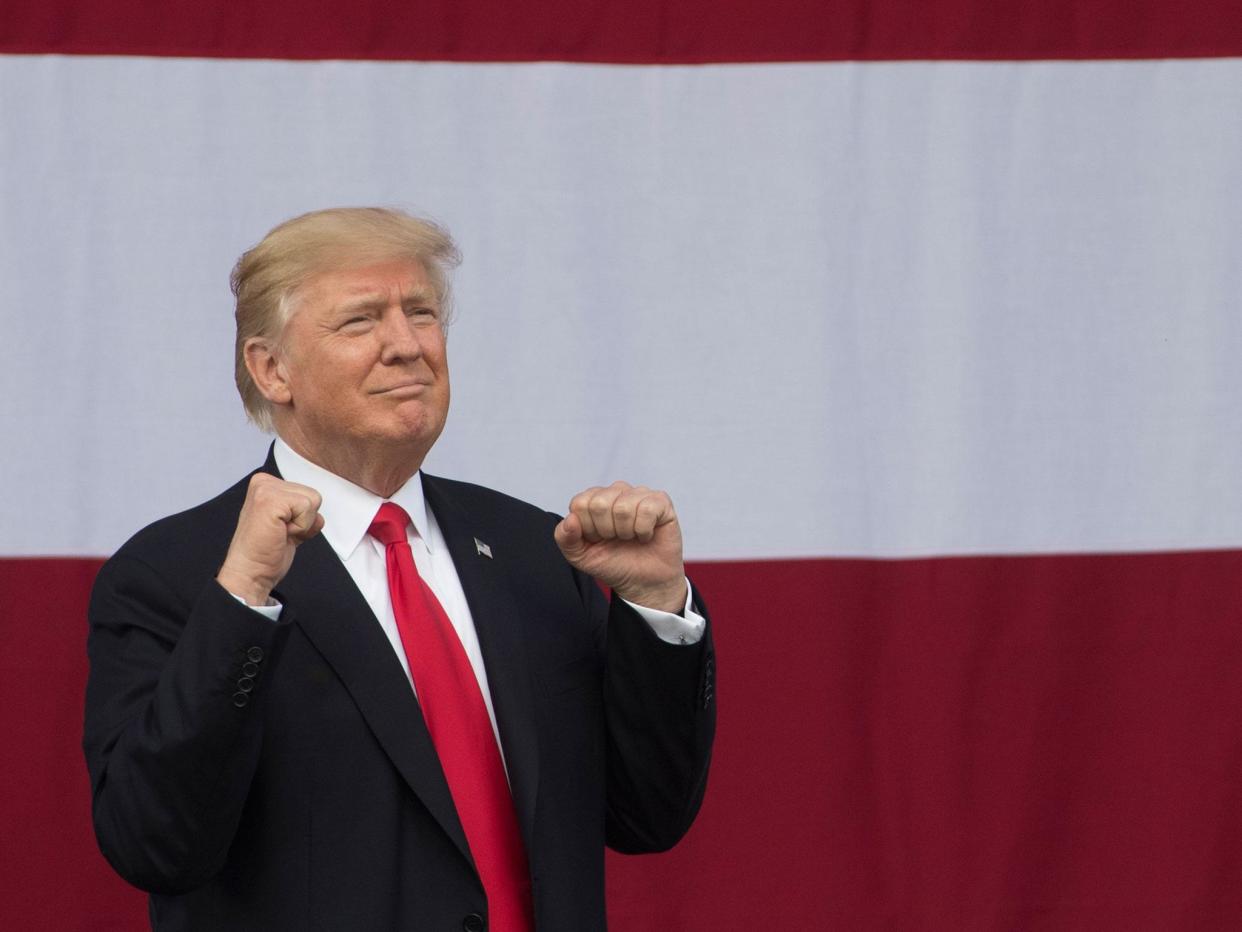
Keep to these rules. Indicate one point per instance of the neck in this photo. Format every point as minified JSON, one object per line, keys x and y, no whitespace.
{"x":378,"y":468}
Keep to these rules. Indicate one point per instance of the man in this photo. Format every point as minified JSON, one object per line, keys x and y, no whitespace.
{"x":348,"y":695}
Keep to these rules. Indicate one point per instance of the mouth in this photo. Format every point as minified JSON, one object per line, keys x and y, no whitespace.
{"x":403,"y":390}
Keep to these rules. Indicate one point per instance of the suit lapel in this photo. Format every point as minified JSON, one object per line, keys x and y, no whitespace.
{"x":499,"y":626}
{"x":344,"y":630}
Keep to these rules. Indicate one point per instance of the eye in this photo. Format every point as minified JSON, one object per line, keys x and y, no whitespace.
{"x":421,"y":313}
{"x":357,"y":322}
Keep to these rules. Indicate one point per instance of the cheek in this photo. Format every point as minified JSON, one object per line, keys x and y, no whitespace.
{"x":440,"y":363}
{"x":444,"y":382}
{"x":327,"y":384}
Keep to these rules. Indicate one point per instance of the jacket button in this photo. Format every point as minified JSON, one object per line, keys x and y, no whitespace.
{"x":254,"y":654}
{"x":245,"y":684}
{"x":250,"y":669}
{"x":240,"y":700}
{"x":473,"y":923}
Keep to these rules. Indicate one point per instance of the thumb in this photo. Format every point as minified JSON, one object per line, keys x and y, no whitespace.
{"x":301,"y":536}
{"x":568,"y":535}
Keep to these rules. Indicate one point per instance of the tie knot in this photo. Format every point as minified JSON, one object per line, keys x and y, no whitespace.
{"x":389,"y":524}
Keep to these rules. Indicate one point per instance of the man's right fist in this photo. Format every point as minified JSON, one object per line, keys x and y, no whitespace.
{"x":274,"y":519}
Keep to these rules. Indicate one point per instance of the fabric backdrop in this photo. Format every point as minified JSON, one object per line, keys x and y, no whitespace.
{"x":929,"y":317}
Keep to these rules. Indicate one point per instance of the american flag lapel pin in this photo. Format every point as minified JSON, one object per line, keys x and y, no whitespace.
{"x":482,"y":548}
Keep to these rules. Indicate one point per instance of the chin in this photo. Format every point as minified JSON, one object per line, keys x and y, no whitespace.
{"x":417,"y":434}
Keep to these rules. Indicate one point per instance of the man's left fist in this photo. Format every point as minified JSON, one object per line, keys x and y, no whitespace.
{"x":628,"y":538}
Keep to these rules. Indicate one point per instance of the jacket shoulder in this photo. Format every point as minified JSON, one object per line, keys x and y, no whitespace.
{"x":196,"y":536}
{"x":479,"y":499}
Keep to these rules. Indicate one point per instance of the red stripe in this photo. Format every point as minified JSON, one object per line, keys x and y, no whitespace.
{"x":1030,"y":743}
{"x":641,"y":31}
{"x":981,"y":743}
{"x":51,"y":874}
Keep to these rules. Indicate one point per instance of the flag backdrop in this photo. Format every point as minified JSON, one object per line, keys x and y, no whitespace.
{"x":929,"y":316}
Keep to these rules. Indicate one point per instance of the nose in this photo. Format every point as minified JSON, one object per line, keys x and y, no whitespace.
{"x":399,"y":338}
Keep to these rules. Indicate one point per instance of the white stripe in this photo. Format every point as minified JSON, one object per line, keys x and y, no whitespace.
{"x":873,"y":309}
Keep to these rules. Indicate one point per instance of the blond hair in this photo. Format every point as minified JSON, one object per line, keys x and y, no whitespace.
{"x":266,"y":278}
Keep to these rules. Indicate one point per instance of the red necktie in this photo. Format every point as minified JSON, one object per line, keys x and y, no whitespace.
{"x":456,"y":716}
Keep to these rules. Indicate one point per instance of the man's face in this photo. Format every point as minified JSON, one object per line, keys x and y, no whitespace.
{"x":364,"y":361}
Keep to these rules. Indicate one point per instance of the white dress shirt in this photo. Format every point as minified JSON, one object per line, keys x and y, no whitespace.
{"x":348,"y":511}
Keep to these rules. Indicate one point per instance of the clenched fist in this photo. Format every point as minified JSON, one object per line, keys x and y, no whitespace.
{"x":274,"y":519}
{"x":628,"y":538}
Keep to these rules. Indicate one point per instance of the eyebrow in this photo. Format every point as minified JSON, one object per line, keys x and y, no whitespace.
{"x":368,"y":302}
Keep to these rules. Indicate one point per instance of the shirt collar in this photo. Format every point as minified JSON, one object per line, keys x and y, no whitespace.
{"x":349,"y":509}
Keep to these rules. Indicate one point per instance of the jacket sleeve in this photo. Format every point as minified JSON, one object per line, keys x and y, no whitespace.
{"x":173,"y":722}
{"x":660,"y":712}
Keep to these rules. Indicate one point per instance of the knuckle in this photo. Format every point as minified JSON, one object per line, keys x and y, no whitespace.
{"x":649,"y":507}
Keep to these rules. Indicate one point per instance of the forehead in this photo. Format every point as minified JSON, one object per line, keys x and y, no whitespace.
{"x":392,"y":279}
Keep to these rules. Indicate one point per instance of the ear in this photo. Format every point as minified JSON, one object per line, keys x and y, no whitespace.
{"x":268,"y":370}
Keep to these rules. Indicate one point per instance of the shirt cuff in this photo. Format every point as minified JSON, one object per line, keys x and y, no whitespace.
{"x":686,"y":629}
{"x":271,"y":611}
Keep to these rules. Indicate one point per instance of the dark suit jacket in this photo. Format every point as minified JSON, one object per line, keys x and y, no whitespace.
{"x":315,"y":800}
